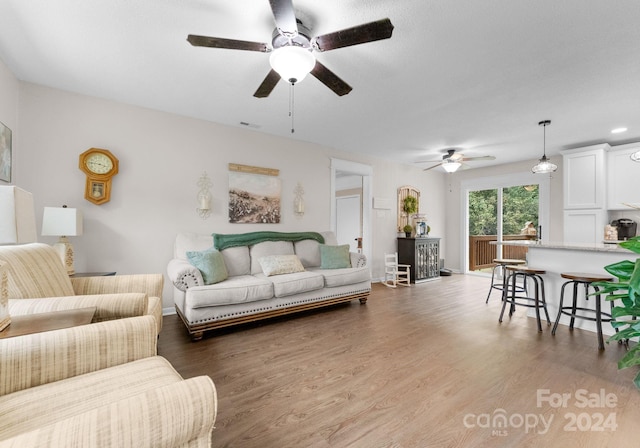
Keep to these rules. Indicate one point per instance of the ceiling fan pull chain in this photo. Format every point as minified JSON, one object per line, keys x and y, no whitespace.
{"x":291,"y":106}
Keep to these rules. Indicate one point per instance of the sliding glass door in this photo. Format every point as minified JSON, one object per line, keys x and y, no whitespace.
{"x":508,"y":212}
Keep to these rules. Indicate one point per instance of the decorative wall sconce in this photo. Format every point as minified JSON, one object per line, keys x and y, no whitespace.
{"x":298,"y":201}
{"x":204,"y":196}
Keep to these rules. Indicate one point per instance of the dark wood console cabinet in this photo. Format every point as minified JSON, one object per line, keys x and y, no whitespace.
{"x":423,"y":254}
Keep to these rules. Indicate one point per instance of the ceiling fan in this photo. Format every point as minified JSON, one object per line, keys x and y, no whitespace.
{"x":292,"y":45}
{"x":453,"y":160}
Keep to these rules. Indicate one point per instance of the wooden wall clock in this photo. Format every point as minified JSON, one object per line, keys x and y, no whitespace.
{"x":100,"y":166}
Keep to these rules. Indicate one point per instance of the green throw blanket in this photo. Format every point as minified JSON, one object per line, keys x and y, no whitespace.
{"x":222,"y":241}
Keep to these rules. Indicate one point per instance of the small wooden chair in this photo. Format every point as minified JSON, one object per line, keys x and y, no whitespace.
{"x":396,"y":274}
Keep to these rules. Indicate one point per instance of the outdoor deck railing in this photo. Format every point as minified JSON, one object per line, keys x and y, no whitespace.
{"x":481,"y":253}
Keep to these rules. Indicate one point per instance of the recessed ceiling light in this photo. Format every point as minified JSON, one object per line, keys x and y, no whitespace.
{"x":618,"y":130}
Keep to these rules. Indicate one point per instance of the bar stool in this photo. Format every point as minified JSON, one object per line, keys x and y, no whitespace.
{"x":576,"y":279}
{"x":538,"y":300}
{"x":500,"y":264}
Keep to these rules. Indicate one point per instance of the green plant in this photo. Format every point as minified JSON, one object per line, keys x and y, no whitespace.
{"x":410,"y":205}
{"x":627,"y":290}
{"x":407,"y":228}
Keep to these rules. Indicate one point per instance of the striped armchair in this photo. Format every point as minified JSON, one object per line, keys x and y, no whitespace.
{"x":36,"y":274}
{"x":100,"y":385}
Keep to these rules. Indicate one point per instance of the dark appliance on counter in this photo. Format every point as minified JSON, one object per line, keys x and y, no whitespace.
{"x":626,"y":228}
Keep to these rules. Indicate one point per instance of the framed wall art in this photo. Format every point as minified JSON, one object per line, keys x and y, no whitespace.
{"x":5,"y":153}
{"x":254,"y":195}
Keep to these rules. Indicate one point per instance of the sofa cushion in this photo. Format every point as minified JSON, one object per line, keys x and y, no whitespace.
{"x":239,"y":289}
{"x":210,"y":263}
{"x":334,"y":257}
{"x":308,"y":251}
{"x":296,"y":283}
{"x":35,"y":271}
{"x":237,"y":260}
{"x":280,"y":264}
{"x":268,"y":248}
{"x":342,"y":277}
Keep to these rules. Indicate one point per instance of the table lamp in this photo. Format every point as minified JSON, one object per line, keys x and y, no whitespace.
{"x":17,"y":216}
{"x":62,"y":222}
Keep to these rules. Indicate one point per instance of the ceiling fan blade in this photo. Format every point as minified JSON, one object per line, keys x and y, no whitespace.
{"x":285,"y":17}
{"x":268,"y":84}
{"x":231,"y":44}
{"x":330,"y":79}
{"x":432,"y":167}
{"x":360,"y":34}
{"x":465,"y":159}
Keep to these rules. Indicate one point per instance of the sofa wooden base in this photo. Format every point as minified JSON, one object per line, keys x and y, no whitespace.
{"x":197,"y":331}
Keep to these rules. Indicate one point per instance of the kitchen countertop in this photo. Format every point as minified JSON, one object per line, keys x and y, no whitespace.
{"x":597,"y":247}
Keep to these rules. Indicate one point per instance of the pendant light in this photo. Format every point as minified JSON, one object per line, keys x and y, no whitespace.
{"x":544,"y":165}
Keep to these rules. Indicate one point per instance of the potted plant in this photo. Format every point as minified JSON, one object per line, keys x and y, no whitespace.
{"x":407,"y":230}
{"x":627,"y":290}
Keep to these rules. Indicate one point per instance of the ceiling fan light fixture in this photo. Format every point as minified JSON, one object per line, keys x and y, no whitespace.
{"x":544,"y":165}
{"x":292,"y":63}
{"x":450,"y":166}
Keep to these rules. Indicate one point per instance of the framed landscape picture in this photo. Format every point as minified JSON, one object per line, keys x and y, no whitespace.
{"x":5,"y":153}
{"x":254,"y":198}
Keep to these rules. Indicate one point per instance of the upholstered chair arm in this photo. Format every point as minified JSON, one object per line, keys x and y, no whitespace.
{"x":180,"y":414}
{"x":151,"y":284}
{"x":357,"y":260}
{"x":108,"y":306}
{"x":183,"y":274}
{"x":41,"y":358}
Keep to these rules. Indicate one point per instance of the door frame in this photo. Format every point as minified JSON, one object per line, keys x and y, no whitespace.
{"x":366,"y":171}
{"x":497,"y":182}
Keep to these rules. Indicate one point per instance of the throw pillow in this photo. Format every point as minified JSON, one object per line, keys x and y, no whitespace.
{"x":210,"y":263}
{"x":334,"y":257}
{"x":280,"y":264}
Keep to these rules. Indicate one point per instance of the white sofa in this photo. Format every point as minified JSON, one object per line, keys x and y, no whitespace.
{"x":248,"y":294}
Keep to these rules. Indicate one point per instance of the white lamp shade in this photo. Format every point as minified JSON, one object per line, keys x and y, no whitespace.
{"x":17,"y":216}
{"x":292,"y":63}
{"x":450,"y":166}
{"x":61,"y":221}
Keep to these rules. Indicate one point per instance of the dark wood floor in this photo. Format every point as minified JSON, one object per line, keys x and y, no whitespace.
{"x":426,"y":366}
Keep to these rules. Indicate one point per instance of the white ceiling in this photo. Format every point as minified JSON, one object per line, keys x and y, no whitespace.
{"x":477,"y":75}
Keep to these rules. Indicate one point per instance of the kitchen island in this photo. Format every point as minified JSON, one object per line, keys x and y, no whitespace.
{"x":556,"y":258}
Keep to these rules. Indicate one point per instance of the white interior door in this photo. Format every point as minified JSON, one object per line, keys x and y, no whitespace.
{"x":348,"y":221}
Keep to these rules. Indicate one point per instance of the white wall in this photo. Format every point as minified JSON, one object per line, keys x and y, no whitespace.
{"x":161,"y":158}
{"x":452,"y":255}
{"x":9,"y":106}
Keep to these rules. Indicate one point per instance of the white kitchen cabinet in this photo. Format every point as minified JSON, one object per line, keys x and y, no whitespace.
{"x":584,"y":171}
{"x":623,"y":177}
{"x":584,"y":226}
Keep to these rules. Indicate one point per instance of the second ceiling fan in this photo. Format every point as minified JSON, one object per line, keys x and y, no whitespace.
{"x":453,"y":160}
{"x":293,"y":43}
